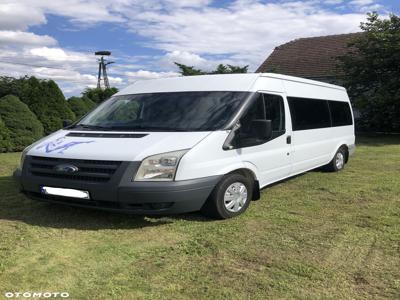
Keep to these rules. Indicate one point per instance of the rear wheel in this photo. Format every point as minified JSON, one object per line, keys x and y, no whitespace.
{"x":230,"y":197}
{"x":338,"y":161}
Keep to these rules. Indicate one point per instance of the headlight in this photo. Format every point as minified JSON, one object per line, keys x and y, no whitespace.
{"x":160,"y":167}
{"x":26,"y":150}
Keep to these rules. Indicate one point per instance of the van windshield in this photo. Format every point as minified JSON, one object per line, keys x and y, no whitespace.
{"x":177,"y":111}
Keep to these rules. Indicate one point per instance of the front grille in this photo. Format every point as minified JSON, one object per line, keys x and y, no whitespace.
{"x":89,"y":170}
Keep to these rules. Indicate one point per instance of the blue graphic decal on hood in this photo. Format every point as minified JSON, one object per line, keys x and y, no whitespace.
{"x":59,"y":145}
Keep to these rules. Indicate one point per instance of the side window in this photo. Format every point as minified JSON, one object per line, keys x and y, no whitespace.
{"x":340,"y":113}
{"x":309,"y":113}
{"x":265,"y":107}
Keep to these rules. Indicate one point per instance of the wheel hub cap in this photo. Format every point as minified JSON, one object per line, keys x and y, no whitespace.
{"x":339,"y":160}
{"x":235,"y":197}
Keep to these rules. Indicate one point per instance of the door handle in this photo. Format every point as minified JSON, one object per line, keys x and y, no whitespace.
{"x":289,"y":139}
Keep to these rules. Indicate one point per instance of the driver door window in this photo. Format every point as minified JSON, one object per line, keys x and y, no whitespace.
{"x":265,"y":107}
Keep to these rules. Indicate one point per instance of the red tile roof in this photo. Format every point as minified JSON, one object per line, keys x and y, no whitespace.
{"x":313,"y":57}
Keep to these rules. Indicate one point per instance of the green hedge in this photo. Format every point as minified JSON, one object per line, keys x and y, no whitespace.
{"x":46,"y":100}
{"x":23,"y":126}
{"x":5,"y":141}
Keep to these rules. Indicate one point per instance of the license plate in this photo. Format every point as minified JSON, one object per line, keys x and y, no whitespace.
{"x":71,"y":193}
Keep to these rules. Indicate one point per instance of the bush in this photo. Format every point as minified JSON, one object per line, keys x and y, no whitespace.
{"x":99,"y":95}
{"x":77,"y":106}
{"x":24,"y":127}
{"x":5,"y":141}
{"x":46,"y":100}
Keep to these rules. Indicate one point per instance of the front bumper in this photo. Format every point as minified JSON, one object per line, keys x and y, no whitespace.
{"x":122,"y":194}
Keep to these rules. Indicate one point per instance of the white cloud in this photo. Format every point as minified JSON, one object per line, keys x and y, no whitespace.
{"x":245,"y":29}
{"x":366,"y":5}
{"x":333,"y":2}
{"x":187,"y":3}
{"x":58,"y":54}
{"x":183,"y":57}
{"x":143,"y":74}
{"x":362,"y":2}
{"x":9,"y":38}
{"x":79,"y":10}
{"x":16,"y":16}
{"x":32,"y":12}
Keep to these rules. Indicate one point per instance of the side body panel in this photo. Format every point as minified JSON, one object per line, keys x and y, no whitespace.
{"x":273,"y":160}
{"x":315,"y":147}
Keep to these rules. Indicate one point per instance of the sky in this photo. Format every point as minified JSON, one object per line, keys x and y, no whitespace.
{"x":57,"y":39}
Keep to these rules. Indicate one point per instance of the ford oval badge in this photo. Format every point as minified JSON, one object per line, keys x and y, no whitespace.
{"x":66,"y":168}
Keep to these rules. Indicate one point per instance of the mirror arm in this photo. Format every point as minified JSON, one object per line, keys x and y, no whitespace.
{"x":228,"y":142}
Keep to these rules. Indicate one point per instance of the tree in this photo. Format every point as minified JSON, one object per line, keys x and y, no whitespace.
{"x":24,"y":127}
{"x":8,"y":86}
{"x":98,"y":95}
{"x":46,"y":100}
{"x":189,"y":71}
{"x":372,"y":70}
{"x":221,"y":69}
{"x":80,"y":105}
{"x":5,"y":141}
{"x":229,"y":69}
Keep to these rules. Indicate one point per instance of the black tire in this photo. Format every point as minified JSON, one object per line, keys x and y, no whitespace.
{"x":338,"y":161}
{"x":215,"y":205}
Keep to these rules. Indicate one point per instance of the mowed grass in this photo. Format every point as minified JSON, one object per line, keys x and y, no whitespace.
{"x":316,"y":236}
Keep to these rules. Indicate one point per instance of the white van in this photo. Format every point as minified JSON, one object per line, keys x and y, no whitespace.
{"x":184,"y":144}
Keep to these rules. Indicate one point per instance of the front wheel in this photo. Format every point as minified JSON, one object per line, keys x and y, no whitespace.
{"x":230,"y":197}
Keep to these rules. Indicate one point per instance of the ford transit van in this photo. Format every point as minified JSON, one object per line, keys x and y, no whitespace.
{"x":185,"y":144}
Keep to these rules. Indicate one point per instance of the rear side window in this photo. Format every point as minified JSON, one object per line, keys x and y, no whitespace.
{"x":309,"y":113}
{"x":340,"y":112}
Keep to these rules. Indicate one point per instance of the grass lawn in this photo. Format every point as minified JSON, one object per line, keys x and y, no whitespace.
{"x":318,"y":235}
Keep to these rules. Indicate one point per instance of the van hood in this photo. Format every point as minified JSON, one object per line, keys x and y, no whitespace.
{"x":118,"y":146}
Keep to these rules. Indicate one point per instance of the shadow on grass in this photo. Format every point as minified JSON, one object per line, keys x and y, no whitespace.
{"x":14,"y":206}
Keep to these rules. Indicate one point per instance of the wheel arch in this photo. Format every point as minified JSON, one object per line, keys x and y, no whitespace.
{"x":345,"y":147}
{"x":251,"y":175}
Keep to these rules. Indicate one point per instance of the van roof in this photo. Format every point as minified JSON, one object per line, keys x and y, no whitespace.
{"x":217,"y":82}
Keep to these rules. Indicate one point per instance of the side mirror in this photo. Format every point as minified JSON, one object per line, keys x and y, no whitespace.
{"x":67,"y":123}
{"x":262,"y":129}
{"x":228,"y":142}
